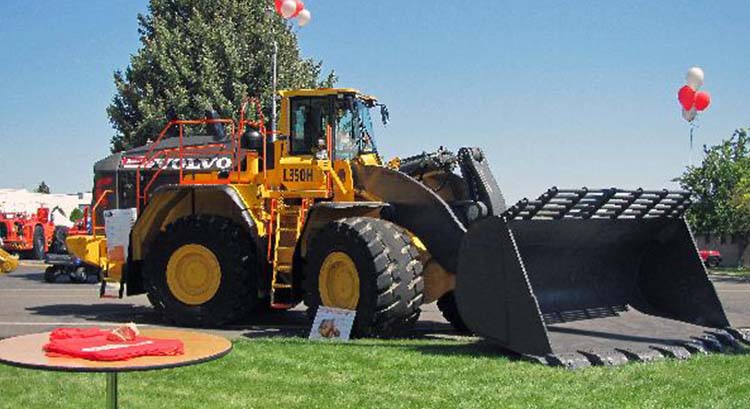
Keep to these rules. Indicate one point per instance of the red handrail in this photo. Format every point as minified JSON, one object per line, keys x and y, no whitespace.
{"x":236,"y":131}
{"x":142,"y":194}
{"x":93,"y":211}
{"x":271,"y":228}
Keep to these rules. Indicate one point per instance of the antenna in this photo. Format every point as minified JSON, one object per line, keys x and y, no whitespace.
{"x":273,"y":96}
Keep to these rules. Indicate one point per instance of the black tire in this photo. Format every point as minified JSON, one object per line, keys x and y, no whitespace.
{"x":447,"y":306}
{"x":58,"y":245}
{"x":39,"y":241}
{"x":713,"y":262}
{"x":78,"y":275}
{"x":235,"y":252}
{"x":50,"y":274}
{"x":389,"y":270}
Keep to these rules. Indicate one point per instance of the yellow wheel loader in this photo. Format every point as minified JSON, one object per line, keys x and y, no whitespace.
{"x":244,"y":219}
{"x":8,"y":263}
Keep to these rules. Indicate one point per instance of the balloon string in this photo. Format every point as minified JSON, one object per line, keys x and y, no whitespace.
{"x":690,"y":160}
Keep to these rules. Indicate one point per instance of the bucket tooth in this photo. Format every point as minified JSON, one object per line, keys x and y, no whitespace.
{"x":604,"y":357}
{"x":695,"y":347}
{"x":726,"y":339}
{"x":568,"y":360}
{"x":711,"y":343}
{"x":675,"y":352}
{"x":641,"y":355}
{"x":742,"y":334}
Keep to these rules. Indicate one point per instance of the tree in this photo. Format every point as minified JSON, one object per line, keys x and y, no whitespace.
{"x":76,"y":215}
{"x":199,"y":56}
{"x":721,"y":189}
{"x":42,"y":188}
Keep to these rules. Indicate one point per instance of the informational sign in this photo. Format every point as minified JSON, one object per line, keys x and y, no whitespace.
{"x":117,"y":225}
{"x":332,"y":324}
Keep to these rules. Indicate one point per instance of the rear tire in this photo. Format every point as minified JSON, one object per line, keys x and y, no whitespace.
{"x":389,"y":272}
{"x":50,"y":274}
{"x":447,"y":306}
{"x":39,"y":241}
{"x":712,"y":262}
{"x":231,"y":246}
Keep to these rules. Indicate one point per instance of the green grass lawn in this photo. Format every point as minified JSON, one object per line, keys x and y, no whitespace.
{"x":736,"y":272}
{"x":295,"y":373}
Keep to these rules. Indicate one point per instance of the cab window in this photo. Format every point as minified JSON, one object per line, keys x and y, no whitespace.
{"x":345,"y":144}
{"x":310,"y":117}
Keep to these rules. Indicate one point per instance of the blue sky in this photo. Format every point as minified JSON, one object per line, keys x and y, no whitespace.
{"x":557,"y":93}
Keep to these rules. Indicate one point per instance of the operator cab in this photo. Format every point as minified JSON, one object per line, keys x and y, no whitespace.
{"x":345,"y":112}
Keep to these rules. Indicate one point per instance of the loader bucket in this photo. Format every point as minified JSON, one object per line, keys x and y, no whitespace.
{"x":583,"y":277}
{"x":8,"y":263}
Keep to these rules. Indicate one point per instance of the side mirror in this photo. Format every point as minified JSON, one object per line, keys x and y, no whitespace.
{"x":385,"y":116}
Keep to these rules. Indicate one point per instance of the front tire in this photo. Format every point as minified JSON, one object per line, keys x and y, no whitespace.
{"x":37,"y":251}
{"x":201,"y":272}
{"x":369,"y":265}
{"x":50,"y":274}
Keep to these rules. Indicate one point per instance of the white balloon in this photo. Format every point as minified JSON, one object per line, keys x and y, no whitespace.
{"x":304,"y":17}
{"x":288,"y":7}
{"x":689,"y":115}
{"x":695,"y":78}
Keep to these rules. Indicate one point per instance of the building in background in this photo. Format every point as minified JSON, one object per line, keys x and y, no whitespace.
{"x":21,"y":200}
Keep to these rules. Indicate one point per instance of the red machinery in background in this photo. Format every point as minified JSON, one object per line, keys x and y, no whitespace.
{"x":29,"y":235}
{"x":711,"y":258}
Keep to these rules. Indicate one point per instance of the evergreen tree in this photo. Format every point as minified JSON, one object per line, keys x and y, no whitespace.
{"x":42,"y":188}
{"x":204,"y":55}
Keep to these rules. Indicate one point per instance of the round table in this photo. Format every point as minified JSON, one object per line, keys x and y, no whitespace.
{"x":26,"y":352}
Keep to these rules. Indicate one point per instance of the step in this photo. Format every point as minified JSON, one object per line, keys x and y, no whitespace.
{"x":284,"y":255}
{"x":284,"y":269}
{"x":289,"y":220}
{"x":286,"y":238}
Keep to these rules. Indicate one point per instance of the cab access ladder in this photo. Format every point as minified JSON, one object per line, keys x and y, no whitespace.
{"x":288,"y":221}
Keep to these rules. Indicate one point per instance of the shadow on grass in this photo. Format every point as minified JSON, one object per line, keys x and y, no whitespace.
{"x":424,"y":344}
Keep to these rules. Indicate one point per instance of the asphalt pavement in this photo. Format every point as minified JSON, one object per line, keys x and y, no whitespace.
{"x":29,"y":305}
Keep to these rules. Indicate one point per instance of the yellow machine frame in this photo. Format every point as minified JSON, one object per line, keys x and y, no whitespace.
{"x":255,"y":196}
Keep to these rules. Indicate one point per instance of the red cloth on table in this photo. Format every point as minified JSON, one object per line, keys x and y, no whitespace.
{"x":65,"y":333}
{"x":93,"y":344}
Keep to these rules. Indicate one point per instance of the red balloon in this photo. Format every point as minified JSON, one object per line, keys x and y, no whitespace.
{"x":300,"y":7}
{"x":686,"y":96}
{"x":299,"y":3}
{"x":702,"y":100}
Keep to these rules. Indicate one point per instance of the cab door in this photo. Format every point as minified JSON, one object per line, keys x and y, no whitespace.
{"x":303,"y":169}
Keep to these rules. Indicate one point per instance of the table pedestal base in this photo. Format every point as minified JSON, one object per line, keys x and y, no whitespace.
{"x":111,"y":390}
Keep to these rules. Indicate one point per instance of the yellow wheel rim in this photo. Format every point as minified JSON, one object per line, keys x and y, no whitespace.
{"x":193,"y":274}
{"x":339,"y":282}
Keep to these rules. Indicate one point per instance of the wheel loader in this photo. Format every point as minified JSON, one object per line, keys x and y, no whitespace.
{"x":244,"y":219}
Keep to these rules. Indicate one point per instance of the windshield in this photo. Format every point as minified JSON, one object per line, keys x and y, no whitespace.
{"x":354,"y":131}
